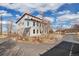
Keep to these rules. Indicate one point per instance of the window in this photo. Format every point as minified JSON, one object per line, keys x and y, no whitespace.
{"x":37,"y":23}
{"x":27,"y":23}
{"x":40,"y":24}
{"x":26,"y":19}
{"x":33,"y":31}
{"x":33,"y":23}
{"x":37,"y":31}
{"x":40,"y":31}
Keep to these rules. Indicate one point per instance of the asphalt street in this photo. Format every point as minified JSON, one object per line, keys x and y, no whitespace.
{"x":69,"y":47}
{"x":6,"y":45}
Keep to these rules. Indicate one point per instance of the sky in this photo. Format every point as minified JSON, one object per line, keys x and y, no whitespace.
{"x":61,"y":15}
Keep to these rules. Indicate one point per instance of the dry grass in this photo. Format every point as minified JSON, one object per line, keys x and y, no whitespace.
{"x":3,"y":35}
{"x":45,"y":38}
{"x":49,"y":38}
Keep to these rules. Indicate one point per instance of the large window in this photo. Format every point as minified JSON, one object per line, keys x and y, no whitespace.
{"x":33,"y":23}
{"x":37,"y":31}
{"x":33,"y":31}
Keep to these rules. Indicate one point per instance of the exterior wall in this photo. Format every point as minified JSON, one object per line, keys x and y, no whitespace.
{"x":42,"y":28}
{"x":20,"y":26}
{"x":35,"y":28}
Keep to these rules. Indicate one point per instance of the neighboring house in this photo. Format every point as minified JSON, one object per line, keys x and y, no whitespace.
{"x":32,"y":26}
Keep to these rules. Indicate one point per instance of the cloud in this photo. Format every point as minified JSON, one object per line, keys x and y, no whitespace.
{"x":64,"y":12}
{"x":67,"y":18}
{"x":4,"y":13}
{"x":70,"y":17}
{"x":51,"y":19}
{"x":44,"y":6}
{"x":16,"y":6}
{"x":67,"y":15}
{"x":75,"y":21}
{"x":66,"y":26}
{"x":17,"y":16}
{"x":30,"y":7}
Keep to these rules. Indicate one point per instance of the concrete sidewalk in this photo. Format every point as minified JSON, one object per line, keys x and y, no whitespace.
{"x":71,"y":38}
{"x":3,"y":40}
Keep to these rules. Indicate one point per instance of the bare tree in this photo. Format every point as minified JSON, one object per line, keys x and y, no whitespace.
{"x":10,"y":26}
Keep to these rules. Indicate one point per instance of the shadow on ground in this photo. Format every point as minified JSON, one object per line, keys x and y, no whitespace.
{"x":63,"y":49}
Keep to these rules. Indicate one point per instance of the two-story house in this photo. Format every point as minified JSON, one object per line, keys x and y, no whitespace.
{"x":32,"y":26}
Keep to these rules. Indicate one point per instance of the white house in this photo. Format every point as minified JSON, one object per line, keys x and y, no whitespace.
{"x":32,"y":26}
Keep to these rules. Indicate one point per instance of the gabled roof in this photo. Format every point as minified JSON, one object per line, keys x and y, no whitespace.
{"x":39,"y":19}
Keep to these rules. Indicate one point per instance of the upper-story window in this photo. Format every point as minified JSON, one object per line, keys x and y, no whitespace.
{"x":40,"y":24}
{"x":26,"y":19}
{"x":33,"y":23}
{"x":27,"y":23}
{"x":37,"y":24}
{"x":37,"y":31}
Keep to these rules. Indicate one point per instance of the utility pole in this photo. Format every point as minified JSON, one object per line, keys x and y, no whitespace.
{"x":10,"y":24}
{"x":1,"y":24}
